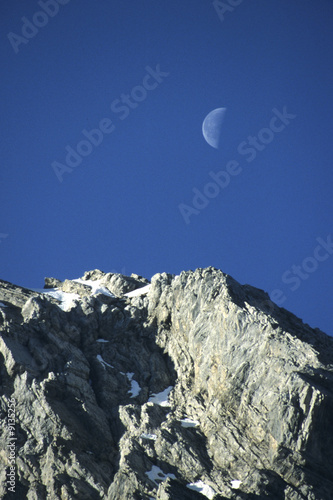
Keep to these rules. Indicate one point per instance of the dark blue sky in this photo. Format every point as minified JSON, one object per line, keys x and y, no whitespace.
{"x":147,"y":73}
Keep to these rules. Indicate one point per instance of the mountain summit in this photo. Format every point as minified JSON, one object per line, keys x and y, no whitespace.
{"x":188,"y":387}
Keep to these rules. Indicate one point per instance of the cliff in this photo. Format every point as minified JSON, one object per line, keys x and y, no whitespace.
{"x":188,"y":387}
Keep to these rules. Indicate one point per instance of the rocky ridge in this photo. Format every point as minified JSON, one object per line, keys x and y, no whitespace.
{"x":188,"y":387}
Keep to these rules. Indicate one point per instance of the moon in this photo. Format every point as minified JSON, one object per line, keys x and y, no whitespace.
{"x":212,"y":125}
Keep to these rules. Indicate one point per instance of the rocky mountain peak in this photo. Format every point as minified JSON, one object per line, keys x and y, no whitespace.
{"x":185,"y":387}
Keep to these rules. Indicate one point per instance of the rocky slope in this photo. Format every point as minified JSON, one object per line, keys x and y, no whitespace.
{"x":190,"y":387}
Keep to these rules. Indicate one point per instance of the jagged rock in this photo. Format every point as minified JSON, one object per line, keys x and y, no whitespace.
{"x":195,"y":380}
{"x":52,"y":283}
{"x":117,"y":283}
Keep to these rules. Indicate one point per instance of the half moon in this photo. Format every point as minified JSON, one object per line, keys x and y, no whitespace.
{"x":212,"y":125}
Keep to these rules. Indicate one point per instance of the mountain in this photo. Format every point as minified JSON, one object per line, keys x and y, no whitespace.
{"x":188,"y":387}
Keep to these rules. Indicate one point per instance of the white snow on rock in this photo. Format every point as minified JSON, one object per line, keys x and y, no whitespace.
{"x":139,"y":291}
{"x":202,"y":488}
{"x":145,"y":435}
{"x":135,"y":388}
{"x":2,"y":305}
{"x":162,"y":397}
{"x":102,"y":340}
{"x":67,"y":300}
{"x":157,"y":474}
{"x":235,"y":484}
{"x":104,"y":363}
{"x":95,"y":287}
{"x":187,"y":422}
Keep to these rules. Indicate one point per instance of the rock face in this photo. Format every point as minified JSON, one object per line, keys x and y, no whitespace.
{"x":190,"y":387}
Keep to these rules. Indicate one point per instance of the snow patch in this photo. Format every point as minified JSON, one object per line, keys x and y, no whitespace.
{"x":162,"y":397}
{"x":157,"y":474}
{"x":67,"y":300}
{"x":95,"y":287}
{"x":187,"y":422}
{"x":145,"y":435}
{"x":202,"y":488}
{"x":2,"y":305}
{"x":139,"y":291}
{"x":104,"y":363}
{"x":135,"y":388}
{"x":235,"y":484}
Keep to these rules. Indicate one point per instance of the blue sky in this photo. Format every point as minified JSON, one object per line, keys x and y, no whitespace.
{"x":146,"y":74}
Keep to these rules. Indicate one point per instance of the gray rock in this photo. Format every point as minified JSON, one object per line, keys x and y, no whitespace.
{"x":52,"y":283}
{"x":199,"y":379}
